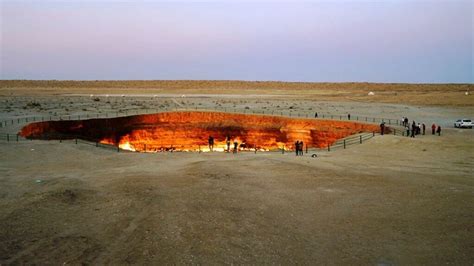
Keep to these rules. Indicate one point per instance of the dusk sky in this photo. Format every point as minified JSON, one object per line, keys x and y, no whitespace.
{"x":333,"y":41}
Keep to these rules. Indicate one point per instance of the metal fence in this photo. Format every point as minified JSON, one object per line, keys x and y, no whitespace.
{"x":173,"y":147}
{"x":342,"y":143}
{"x":343,"y":117}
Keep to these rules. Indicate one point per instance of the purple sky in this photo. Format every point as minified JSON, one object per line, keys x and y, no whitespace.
{"x":375,"y":41}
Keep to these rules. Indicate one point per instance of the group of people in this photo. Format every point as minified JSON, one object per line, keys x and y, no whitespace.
{"x":299,"y":145}
{"x":417,"y":129}
{"x":228,"y":142}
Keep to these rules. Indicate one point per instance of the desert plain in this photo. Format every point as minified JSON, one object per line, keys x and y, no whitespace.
{"x":392,"y":200}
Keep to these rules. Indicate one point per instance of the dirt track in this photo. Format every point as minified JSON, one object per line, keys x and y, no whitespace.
{"x":390,"y":200}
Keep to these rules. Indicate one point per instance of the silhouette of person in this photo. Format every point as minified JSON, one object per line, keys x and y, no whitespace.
{"x":438,"y":130}
{"x":297,"y":147}
{"x":236,"y":145}
{"x":227,"y":142}
{"x":211,"y":143}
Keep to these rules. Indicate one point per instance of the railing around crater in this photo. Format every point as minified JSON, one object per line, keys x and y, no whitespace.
{"x":122,"y":113}
{"x":173,"y":147}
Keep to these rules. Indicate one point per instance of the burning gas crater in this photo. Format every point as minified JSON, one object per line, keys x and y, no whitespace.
{"x":189,"y":131}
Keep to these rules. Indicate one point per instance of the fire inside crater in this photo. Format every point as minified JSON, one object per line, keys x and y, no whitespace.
{"x":190,"y":130}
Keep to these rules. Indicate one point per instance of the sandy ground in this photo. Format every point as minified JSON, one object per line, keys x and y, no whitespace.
{"x":391,"y":200}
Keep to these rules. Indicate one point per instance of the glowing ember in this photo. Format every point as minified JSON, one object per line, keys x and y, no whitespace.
{"x":189,"y":131}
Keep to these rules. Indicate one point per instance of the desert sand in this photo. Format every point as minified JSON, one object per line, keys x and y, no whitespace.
{"x":391,"y":200}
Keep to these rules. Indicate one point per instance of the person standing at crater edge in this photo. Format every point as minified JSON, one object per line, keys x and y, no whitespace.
{"x":433,"y":128}
{"x":236,"y":145}
{"x":413,"y":129}
{"x":227,"y":142}
{"x":211,"y":143}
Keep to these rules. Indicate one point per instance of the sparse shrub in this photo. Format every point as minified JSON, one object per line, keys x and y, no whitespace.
{"x":96,"y":100}
{"x":32,"y":105}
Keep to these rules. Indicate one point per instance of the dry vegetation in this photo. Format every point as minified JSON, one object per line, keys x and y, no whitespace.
{"x":439,"y":94}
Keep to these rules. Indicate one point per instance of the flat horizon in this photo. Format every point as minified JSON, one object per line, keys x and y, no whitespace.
{"x":337,"y":41}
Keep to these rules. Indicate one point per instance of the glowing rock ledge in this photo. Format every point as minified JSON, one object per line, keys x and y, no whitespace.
{"x":189,"y":131}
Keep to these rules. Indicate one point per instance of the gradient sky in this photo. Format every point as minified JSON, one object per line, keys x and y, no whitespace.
{"x":335,"y":41}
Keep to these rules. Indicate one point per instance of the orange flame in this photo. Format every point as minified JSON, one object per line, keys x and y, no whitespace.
{"x":189,"y":131}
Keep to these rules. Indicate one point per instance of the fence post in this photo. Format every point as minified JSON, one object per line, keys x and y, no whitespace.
{"x":394,"y":131}
{"x":8,"y":137}
{"x":389,"y":121}
{"x":344,"y":144}
{"x":76,"y":140}
{"x":283,"y":150}
{"x":18,"y":120}
{"x":255,"y":148}
{"x":118,"y":148}
{"x":373,"y":134}
{"x":360,"y":137}
{"x":306,"y":148}
{"x":329,"y":147}
{"x":145,"y":147}
{"x":97,"y":144}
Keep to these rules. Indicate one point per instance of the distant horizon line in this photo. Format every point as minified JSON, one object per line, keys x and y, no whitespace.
{"x":232,"y":80}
